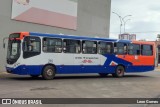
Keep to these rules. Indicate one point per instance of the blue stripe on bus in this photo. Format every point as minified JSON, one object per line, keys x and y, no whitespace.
{"x":77,"y":37}
{"x":37,"y":70}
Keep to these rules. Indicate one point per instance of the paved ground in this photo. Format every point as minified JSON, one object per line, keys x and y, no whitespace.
{"x":143,"y":85}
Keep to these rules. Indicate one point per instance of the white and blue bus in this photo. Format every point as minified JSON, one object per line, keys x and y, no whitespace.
{"x":38,"y":54}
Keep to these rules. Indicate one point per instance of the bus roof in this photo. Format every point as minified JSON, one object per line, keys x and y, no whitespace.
{"x":143,"y":42}
{"x":77,"y":37}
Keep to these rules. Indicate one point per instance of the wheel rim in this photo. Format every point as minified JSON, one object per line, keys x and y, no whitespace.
{"x":49,"y":72}
{"x":119,"y":71}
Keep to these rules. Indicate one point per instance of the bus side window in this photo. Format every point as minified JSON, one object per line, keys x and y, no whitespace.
{"x":147,"y":50}
{"x":89,"y":47}
{"x":120,"y":48}
{"x":115,"y":48}
{"x":71,"y":46}
{"x":134,"y":49}
{"x":105,"y":48}
{"x":52,"y":45}
{"x":45,"y":45}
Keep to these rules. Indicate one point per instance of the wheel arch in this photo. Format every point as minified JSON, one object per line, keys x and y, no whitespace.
{"x":122,"y":66}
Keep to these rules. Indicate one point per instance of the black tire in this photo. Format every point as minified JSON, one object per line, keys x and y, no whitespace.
{"x":103,"y":74}
{"x":120,"y":70}
{"x":48,"y":72}
{"x":34,"y":76}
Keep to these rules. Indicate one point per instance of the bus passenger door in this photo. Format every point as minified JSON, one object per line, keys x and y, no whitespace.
{"x":147,"y":57}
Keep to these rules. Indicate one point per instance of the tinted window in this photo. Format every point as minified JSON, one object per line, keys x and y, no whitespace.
{"x":105,"y":48}
{"x":89,"y":47}
{"x":71,"y":46}
{"x":147,"y":50}
{"x":52,"y":45}
{"x":134,"y":49}
{"x":120,"y":48}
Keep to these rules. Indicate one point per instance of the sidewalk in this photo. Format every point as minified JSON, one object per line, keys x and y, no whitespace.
{"x":157,"y":68}
{"x":3,"y":72}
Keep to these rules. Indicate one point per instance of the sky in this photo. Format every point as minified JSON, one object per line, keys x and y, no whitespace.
{"x":145,"y":19}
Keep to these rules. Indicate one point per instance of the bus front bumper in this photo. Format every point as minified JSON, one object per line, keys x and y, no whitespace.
{"x":25,"y":70}
{"x":17,"y":70}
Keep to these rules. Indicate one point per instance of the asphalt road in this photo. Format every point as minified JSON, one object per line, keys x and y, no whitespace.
{"x":137,"y":85}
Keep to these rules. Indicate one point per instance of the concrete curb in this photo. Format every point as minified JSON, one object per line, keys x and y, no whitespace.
{"x":4,"y":73}
{"x":157,"y":69}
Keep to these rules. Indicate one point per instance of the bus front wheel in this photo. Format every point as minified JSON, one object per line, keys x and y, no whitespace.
{"x":119,"y":72}
{"x":48,"y":72}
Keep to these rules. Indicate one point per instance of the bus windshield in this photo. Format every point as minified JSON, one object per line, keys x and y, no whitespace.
{"x":13,"y":51}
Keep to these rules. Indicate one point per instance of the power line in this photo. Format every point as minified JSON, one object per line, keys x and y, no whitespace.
{"x":141,"y":32}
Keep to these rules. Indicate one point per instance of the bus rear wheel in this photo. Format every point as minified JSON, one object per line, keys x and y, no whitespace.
{"x":103,"y":74}
{"x":48,"y":72}
{"x":119,"y":72}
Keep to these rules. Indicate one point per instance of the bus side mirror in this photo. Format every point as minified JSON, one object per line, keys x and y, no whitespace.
{"x":4,"y":45}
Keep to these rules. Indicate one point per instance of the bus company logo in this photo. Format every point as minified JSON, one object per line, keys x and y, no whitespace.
{"x":87,"y":61}
{"x":6,"y":101}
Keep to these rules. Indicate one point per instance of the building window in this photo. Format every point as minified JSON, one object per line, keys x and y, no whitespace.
{"x":52,"y":45}
{"x":71,"y":46}
{"x":134,"y":49}
{"x":105,"y":48}
{"x":120,"y":48}
{"x":147,"y":50}
{"x":158,"y":54}
{"x":89,"y":47}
